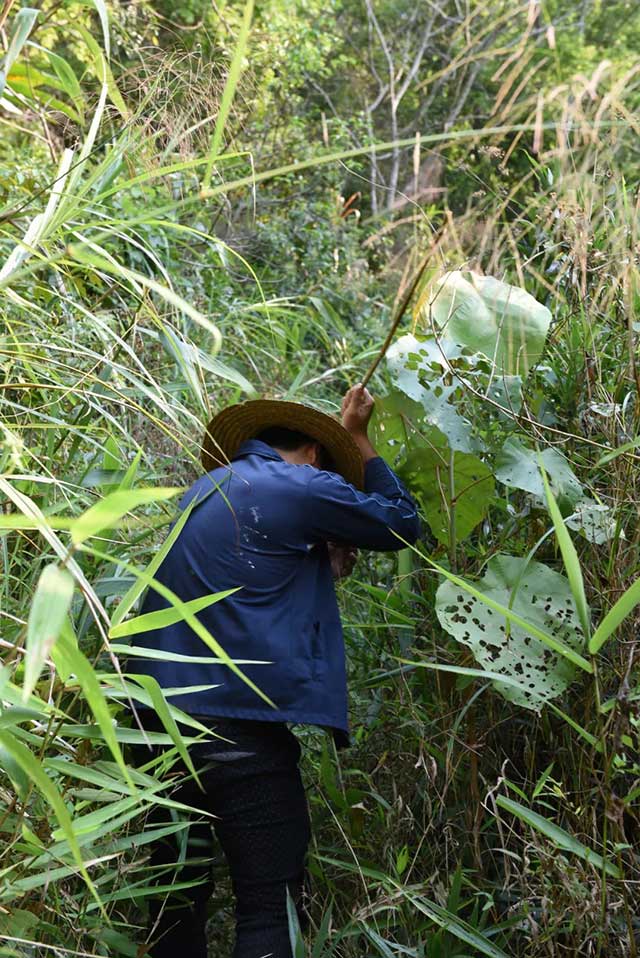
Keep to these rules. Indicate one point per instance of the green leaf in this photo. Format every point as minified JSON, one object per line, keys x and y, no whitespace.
{"x":140,"y":584}
{"x":236,"y":68}
{"x":201,"y":631}
{"x":415,"y":367}
{"x":160,"y":655}
{"x":46,"y":617}
{"x":162,"y":711}
{"x":107,"y":511}
{"x":512,"y":616}
{"x":164,"y":617}
{"x":542,"y":599}
{"x":22,"y":26}
{"x":33,"y":769}
{"x":519,"y":467}
{"x":454,"y":488}
{"x":72,"y":661}
{"x":560,"y":838}
{"x":615,"y":617}
{"x":503,"y":322}
{"x":570,"y":558}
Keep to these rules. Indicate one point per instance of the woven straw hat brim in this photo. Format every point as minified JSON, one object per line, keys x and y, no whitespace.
{"x":235,"y":424}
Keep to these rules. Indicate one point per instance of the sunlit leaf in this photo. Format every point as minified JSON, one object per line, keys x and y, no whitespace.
{"x":107,"y":511}
{"x":48,"y":611}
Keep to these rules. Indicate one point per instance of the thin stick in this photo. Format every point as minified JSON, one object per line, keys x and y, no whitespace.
{"x":402,"y":307}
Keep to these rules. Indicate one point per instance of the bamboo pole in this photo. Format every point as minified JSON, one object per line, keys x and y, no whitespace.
{"x":402,"y":307}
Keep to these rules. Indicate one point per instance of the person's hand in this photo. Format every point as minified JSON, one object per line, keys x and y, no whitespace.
{"x":343,"y":559}
{"x":357,"y":407}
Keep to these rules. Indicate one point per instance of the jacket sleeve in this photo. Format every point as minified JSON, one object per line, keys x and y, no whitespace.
{"x":337,"y":510}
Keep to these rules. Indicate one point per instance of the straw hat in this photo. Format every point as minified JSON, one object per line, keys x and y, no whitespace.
{"x":235,"y":424}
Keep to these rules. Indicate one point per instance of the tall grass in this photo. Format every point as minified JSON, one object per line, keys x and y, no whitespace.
{"x":458,"y":824}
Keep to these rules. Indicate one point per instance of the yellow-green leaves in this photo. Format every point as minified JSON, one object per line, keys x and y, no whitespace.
{"x":615,"y":616}
{"x":32,"y":768}
{"x":140,"y":584}
{"x":164,"y":617}
{"x":109,"y":510}
{"x":570,"y":558}
{"x":22,"y":26}
{"x":229,"y":90}
{"x":48,"y":611}
{"x":70,"y":660}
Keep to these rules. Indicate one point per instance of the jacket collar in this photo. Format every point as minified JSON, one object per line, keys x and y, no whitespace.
{"x":254,"y":447}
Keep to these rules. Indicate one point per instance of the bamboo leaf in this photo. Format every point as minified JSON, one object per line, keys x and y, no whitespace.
{"x":164,"y":617}
{"x":107,"y":511}
{"x":160,"y":706}
{"x":569,"y":556}
{"x":229,"y":91}
{"x":140,"y":585}
{"x":615,"y":617}
{"x":73,"y":661}
{"x":201,"y":631}
{"x":32,"y":768}
{"x":46,"y":618}
{"x":559,"y":837}
{"x":22,"y":27}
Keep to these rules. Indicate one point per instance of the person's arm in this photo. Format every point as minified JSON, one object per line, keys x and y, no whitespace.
{"x":369,"y":519}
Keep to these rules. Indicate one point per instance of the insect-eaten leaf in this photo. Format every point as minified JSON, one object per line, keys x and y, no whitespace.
{"x":540,"y":595}
{"x":415,"y":369}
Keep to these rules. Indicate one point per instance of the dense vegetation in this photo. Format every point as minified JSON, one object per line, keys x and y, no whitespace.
{"x":201,"y":203}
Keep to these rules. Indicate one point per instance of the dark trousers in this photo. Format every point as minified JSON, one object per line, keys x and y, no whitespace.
{"x":254,"y":789}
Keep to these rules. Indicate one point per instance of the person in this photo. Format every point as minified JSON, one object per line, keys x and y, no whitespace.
{"x":289,"y":494}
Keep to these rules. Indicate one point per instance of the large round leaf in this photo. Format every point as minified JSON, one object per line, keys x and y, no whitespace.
{"x":454,"y":488}
{"x":538,"y":594}
{"x":489,"y":316}
{"x":415,"y":367}
{"x":517,"y":466}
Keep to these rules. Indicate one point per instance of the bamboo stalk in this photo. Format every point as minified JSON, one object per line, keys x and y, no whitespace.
{"x":402,"y":307}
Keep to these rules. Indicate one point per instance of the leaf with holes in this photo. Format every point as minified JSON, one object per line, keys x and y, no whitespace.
{"x":538,"y":594}
{"x":415,"y":367}
{"x":595,"y":521}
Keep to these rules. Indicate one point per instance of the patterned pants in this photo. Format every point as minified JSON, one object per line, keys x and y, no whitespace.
{"x":253,"y":787}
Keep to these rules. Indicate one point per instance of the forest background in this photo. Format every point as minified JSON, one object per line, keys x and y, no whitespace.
{"x":205,"y":202}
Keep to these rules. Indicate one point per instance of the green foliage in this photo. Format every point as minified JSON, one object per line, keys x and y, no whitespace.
{"x":133,"y":306}
{"x":540,"y":596}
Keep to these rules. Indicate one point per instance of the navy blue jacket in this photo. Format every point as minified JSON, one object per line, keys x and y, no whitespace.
{"x":265,"y":529}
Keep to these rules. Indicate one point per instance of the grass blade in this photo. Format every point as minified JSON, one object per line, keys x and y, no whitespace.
{"x":559,"y":837}
{"x":164,"y":617}
{"x":229,"y":92}
{"x":107,"y":512}
{"x":73,"y":661}
{"x":22,"y":27}
{"x":615,"y":616}
{"x":569,"y":556}
{"x":47,"y":615}
{"x":47,"y":788}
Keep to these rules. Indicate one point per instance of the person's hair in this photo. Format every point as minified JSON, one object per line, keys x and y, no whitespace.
{"x":280,"y":437}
